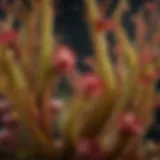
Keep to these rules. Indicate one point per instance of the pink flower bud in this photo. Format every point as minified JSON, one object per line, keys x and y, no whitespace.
{"x":64,"y":59}
{"x":91,"y":85}
{"x":129,"y":124}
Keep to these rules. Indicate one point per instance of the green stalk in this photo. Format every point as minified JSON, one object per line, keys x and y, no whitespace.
{"x":100,"y":46}
{"x":13,"y":71}
{"x":45,"y":105}
{"x":145,"y":118}
{"x":46,"y":41}
{"x":76,"y":107}
{"x":129,"y":52}
{"x":19,"y":94}
{"x":105,"y":70}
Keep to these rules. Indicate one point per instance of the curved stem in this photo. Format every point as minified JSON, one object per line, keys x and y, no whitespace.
{"x":100,"y":46}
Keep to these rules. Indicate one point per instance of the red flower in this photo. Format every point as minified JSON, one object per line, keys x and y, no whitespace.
{"x":107,"y":25}
{"x":8,"y":37}
{"x":91,"y":85}
{"x":129,"y":124}
{"x":64,"y":59}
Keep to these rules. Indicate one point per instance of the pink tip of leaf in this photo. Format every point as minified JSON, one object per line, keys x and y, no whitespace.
{"x":91,"y":85}
{"x":129,"y":124}
{"x":64,"y":59}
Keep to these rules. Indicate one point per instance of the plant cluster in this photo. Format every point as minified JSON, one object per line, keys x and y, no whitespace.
{"x":110,"y":108}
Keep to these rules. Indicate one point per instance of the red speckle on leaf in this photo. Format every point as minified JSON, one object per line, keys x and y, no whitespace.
{"x":91,"y":85}
{"x":136,"y":155}
{"x":8,"y":119}
{"x":150,"y":6}
{"x":148,"y":78}
{"x":146,"y":58}
{"x":4,"y":7}
{"x":107,"y":25}
{"x":89,"y":61}
{"x":8,"y":37}
{"x":4,"y":135}
{"x":16,"y":50}
{"x":110,"y":25}
{"x":64,"y":59}
{"x":129,"y":124}
{"x":140,"y":156}
{"x":118,"y":50}
{"x":4,"y":106}
{"x":158,"y":146}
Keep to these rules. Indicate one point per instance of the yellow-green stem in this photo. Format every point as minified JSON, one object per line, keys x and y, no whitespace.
{"x":46,"y":41}
{"x":100,"y":46}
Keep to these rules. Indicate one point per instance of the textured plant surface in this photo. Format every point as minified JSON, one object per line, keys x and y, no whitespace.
{"x":110,"y":107}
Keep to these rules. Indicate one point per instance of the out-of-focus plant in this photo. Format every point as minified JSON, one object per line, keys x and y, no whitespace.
{"x":111,"y":107}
